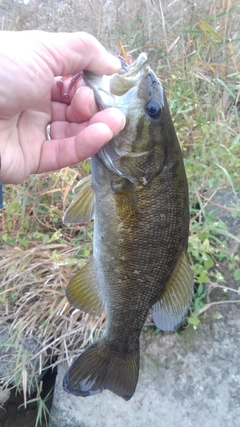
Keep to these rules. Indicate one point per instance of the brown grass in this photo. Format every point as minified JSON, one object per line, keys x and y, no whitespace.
{"x":33,"y":300}
{"x":165,"y":29}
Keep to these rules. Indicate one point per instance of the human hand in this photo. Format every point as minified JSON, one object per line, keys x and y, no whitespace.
{"x":31,"y":98}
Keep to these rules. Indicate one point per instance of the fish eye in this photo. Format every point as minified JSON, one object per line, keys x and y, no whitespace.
{"x":153,"y":109}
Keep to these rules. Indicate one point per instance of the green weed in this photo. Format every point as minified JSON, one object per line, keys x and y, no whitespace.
{"x":42,"y":408}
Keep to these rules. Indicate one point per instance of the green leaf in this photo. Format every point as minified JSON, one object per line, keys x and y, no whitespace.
{"x":229,"y":178}
{"x":9,"y":240}
{"x":14,"y":296}
{"x":236,"y":274}
{"x":219,"y":277}
{"x":203,"y":278}
{"x":206,"y":245}
{"x":227,"y":234}
{"x":200,"y":289}
{"x":23,"y":241}
{"x":228,"y":89}
{"x":208,"y":262}
{"x":217,"y":315}
{"x":209,"y":32}
{"x":203,"y":235}
{"x":194,"y":321}
{"x":228,"y":11}
{"x":235,"y":142}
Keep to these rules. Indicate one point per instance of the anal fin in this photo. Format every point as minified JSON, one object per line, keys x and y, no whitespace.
{"x":169,"y":311}
{"x":82,"y":291}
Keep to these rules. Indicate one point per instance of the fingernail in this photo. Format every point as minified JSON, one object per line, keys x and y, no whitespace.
{"x":93,"y":106}
{"x":115,"y":61}
{"x":124,"y":122}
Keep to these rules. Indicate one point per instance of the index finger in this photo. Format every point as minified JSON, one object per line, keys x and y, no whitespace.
{"x":74,"y":52}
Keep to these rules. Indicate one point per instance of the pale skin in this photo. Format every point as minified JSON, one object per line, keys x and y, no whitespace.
{"x":31,"y":98}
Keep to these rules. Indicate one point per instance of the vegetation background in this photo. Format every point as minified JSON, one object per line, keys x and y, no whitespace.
{"x":194,"y":47}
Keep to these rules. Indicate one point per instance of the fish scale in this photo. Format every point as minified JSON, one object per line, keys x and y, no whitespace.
{"x":138,"y":197}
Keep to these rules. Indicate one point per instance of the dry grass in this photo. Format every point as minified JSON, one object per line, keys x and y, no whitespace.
{"x":38,"y":255}
{"x":158,"y":25}
{"x":33,"y":300}
{"x":34,"y":272}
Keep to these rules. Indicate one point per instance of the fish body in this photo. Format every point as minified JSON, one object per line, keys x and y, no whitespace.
{"x":138,"y":197}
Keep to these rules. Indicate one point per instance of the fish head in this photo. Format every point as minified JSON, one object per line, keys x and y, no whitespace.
{"x":138,"y":151}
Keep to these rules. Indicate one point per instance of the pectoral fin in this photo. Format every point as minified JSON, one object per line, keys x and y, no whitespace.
{"x":82,"y":291}
{"x":169,"y":311}
{"x":126,"y":198}
{"x":81,"y":210}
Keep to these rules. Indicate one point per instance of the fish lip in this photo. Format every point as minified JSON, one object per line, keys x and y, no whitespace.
{"x":151,"y":88}
{"x":137,"y":65}
{"x":108,"y":89}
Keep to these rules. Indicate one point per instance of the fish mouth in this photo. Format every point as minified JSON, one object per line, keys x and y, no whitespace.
{"x":112,"y":91}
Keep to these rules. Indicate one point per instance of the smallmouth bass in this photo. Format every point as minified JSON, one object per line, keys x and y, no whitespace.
{"x":138,"y":197}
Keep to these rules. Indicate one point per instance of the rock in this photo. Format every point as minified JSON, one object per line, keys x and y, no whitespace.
{"x":186,"y":380}
{"x":220,"y":205}
{"x":4,"y":395}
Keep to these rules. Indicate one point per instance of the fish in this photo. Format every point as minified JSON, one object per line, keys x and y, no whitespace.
{"x":137,"y":195}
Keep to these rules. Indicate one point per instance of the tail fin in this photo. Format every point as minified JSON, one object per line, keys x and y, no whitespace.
{"x":97,"y":369}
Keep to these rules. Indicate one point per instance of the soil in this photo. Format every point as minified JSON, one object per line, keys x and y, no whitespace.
{"x":13,"y":413}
